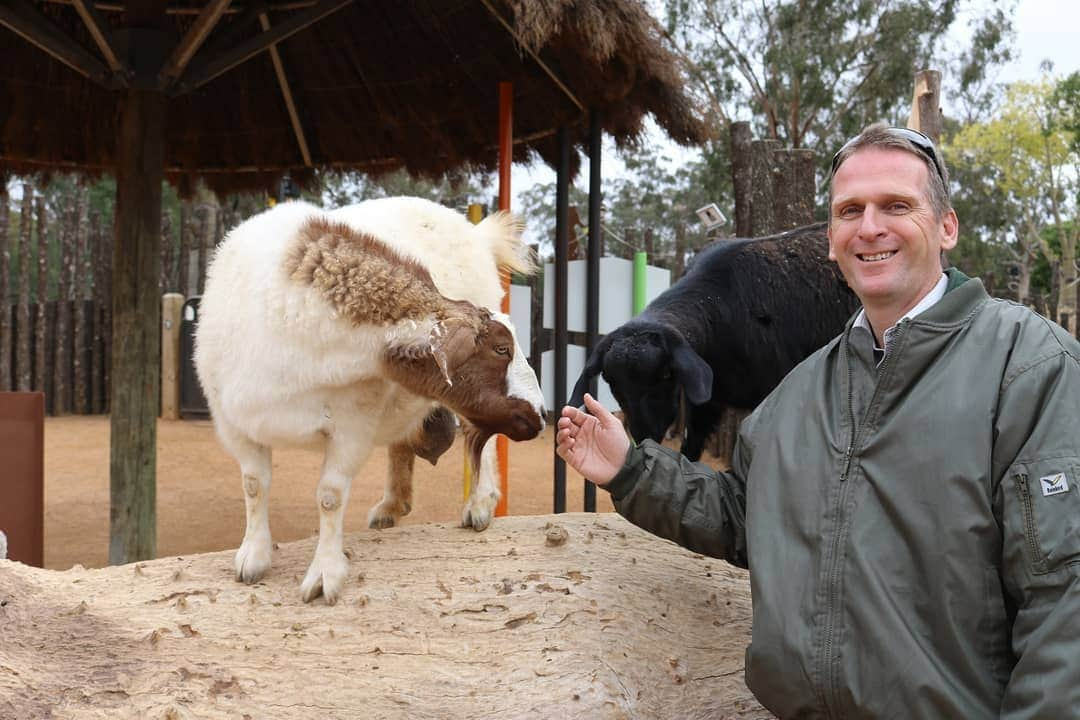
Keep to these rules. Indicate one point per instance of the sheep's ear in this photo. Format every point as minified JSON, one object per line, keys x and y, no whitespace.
{"x":693,"y":373}
{"x":451,"y":342}
{"x":592,"y":369}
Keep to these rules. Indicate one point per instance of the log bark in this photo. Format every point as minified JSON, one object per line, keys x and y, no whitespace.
{"x":573,"y":615}
{"x":762,"y":203}
{"x":136,"y":319}
{"x":742,"y":176}
{"x":184,"y":261}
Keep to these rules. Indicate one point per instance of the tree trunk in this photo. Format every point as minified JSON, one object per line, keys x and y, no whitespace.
{"x":184,"y":261}
{"x":136,"y":321}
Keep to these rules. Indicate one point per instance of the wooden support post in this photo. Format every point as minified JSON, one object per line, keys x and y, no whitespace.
{"x":136,"y":303}
{"x":562,"y":217}
{"x":171,"y":306}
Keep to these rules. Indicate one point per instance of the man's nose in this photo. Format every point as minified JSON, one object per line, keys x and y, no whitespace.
{"x":872,"y":223}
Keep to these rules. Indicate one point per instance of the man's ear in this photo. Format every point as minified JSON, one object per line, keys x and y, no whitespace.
{"x":950,"y":230}
{"x":828,"y":234}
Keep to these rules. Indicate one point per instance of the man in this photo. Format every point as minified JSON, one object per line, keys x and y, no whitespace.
{"x":907,"y":499}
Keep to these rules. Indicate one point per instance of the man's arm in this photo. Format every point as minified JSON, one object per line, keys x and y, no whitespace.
{"x":1038,"y":504}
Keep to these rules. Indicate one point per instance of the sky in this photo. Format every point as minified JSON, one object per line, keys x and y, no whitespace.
{"x":1045,"y":29}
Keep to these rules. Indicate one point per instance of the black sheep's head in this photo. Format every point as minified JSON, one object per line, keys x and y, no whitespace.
{"x":646,"y":365}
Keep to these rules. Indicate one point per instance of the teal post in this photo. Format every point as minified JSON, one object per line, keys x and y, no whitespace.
{"x":640,"y":259}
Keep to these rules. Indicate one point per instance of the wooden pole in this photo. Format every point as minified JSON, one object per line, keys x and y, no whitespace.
{"x":5,"y":274}
{"x":83,"y":331}
{"x":171,"y":306}
{"x":23,"y":367}
{"x":62,"y":336}
{"x":136,"y":303}
{"x":506,"y":156}
{"x":762,"y":219}
{"x":926,"y":105}
{"x":742,"y":176}
{"x":42,"y":366}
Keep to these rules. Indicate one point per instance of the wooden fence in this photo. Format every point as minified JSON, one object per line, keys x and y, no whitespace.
{"x":55,"y":291}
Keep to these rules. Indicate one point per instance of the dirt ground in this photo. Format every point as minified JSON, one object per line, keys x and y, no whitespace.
{"x":200,"y":505}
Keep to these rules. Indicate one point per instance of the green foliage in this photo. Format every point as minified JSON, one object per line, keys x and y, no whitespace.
{"x":458,"y":190}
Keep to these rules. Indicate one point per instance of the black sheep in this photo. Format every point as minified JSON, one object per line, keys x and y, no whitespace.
{"x":744,"y":314}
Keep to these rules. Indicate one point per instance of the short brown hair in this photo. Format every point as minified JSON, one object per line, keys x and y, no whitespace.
{"x":881,"y":135}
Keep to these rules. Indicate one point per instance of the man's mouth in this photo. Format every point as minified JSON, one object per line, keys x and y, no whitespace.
{"x":875,"y":257}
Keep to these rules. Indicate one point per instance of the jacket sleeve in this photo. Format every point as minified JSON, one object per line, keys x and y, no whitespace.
{"x":686,"y":502}
{"x":1037,"y":503}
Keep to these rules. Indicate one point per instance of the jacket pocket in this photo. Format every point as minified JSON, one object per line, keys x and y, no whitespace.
{"x":1048,"y":497}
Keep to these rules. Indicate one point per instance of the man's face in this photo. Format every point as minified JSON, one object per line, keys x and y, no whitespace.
{"x":882,"y":229}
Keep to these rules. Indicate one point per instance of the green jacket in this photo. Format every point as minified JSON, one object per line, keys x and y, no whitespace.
{"x":913,"y":551}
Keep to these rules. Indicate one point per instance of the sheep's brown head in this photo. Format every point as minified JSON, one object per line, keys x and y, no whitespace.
{"x":471,"y":362}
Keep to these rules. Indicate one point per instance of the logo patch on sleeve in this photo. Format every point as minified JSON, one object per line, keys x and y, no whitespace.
{"x":1054,"y":484}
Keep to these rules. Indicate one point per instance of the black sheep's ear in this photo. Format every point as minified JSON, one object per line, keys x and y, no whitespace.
{"x":592,"y":368}
{"x":693,"y":373}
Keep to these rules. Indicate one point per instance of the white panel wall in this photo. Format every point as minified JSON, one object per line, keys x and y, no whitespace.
{"x":521,"y":315}
{"x":616,"y":307}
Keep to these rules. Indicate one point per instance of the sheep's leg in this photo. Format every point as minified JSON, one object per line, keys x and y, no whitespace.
{"x":326,"y":574}
{"x":253,"y":558}
{"x":397,"y":494}
{"x":480,"y":507}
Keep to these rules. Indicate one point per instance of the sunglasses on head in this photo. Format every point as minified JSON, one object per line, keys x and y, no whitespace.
{"x":921,"y":142}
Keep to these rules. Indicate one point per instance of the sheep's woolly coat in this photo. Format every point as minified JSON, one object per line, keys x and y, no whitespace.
{"x":363,"y":279}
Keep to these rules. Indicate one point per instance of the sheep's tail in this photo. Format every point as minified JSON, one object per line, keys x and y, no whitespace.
{"x":502,"y":230}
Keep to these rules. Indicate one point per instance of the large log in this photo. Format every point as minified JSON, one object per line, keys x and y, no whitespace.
{"x":435,"y":622}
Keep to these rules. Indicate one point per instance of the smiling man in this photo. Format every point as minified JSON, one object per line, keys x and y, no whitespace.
{"x":907,"y":498}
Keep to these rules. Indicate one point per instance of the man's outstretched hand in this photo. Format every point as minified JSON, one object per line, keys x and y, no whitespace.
{"x":593,"y":444}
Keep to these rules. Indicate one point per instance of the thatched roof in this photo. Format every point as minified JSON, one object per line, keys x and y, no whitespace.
{"x":376,"y":86}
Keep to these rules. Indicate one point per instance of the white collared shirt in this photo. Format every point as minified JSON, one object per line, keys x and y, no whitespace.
{"x":928,"y":301}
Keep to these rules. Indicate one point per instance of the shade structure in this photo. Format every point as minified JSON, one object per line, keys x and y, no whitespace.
{"x":372,"y":86}
{"x":238,"y":93}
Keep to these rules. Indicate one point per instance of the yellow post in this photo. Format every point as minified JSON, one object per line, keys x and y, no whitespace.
{"x":171,"y":307}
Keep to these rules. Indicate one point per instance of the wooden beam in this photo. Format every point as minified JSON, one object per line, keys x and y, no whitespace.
{"x":204,"y":73}
{"x":25,"y":21}
{"x":286,"y":93}
{"x":191,"y":42}
{"x":535,"y":56}
{"x":101,"y":31}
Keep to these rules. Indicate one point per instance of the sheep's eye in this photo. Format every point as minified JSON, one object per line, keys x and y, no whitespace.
{"x":502,"y":350}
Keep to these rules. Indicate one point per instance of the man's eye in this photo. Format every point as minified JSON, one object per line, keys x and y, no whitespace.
{"x":848,"y":211}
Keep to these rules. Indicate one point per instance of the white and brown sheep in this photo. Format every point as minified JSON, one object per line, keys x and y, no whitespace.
{"x":345,"y":330}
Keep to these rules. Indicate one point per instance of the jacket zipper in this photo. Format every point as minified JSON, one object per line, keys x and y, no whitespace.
{"x":1034,"y":550}
{"x":835,"y":570}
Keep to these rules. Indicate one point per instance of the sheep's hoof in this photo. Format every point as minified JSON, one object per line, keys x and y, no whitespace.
{"x":252,"y":560}
{"x":478,"y":512}
{"x":386,"y":515}
{"x":326,"y":577}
